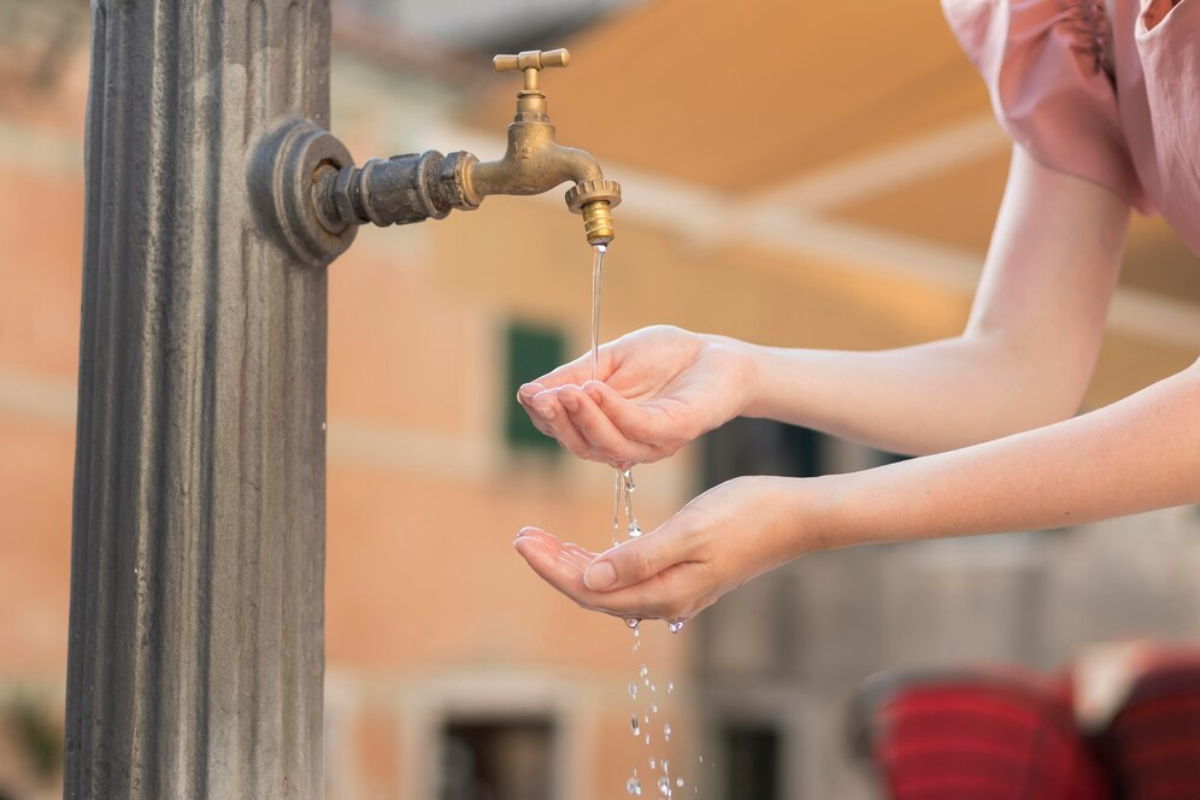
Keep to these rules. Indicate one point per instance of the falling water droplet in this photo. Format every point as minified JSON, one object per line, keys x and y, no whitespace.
{"x":667,"y":731}
{"x":644,"y":671}
{"x":654,"y":708}
{"x":666,"y":767}
{"x":676,"y":626}
{"x":664,"y":786}
{"x":634,"y":787}
{"x":670,"y":686}
{"x":653,"y":763}
{"x":634,"y":723}
{"x":679,"y":782}
{"x":646,"y":719}
{"x":633,"y":691}
{"x":647,"y":738}
{"x":634,"y":530}
{"x":632,"y":622}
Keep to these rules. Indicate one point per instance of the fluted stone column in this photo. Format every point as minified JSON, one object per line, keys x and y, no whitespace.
{"x":196,"y":636}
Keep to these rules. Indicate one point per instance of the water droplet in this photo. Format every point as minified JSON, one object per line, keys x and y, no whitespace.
{"x":676,"y":626}
{"x":653,"y":688}
{"x":633,"y":691}
{"x":654,"y":708}
{"x":634,"y":530}
{"x":634,"y":723}
{"x":653,"y":763}
{"x":647,"y":738}
{"x":670,"y":686}
{"x":634,"y":787}
{"x":679,"y":782}
{"x":644,"y":671}
{"x":666,"y":766}
{"x":664,"y":786}
{"x":646,"y":719}
{"x":667,"y":731}
{"x":633,"y":623}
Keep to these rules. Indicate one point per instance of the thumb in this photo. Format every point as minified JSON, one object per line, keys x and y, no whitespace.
{"x":631,"y":562}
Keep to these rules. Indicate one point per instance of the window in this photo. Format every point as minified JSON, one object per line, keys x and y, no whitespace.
{"x":752,"y":762}
{"x":532,"y":352}
{"x":507,"y":759}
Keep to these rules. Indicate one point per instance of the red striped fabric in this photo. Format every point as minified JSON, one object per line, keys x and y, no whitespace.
{"x":1154,"y":740}
{"x":987,"y":737}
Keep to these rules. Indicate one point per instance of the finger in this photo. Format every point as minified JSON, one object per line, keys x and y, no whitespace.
{"x":525,"y":397}
{"x":648,"y":423}
{"x":600,"y":432}
{"x":638,"y":560}
{"x":549,"y":405}
{"x":572,"y":373}
{"x":545,"y":556}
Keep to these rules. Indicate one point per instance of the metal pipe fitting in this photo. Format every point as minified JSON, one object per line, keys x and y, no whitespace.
{"x":399,"y":191}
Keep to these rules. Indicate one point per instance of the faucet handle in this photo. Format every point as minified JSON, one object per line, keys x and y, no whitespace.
{"x":532,"y":62}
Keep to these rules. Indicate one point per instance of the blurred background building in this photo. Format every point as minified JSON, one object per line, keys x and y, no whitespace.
{"x":785,"y":182}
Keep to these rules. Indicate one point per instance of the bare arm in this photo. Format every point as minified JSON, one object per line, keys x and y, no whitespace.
{"x":1138,"y":454}
{"x":1023,"y":361}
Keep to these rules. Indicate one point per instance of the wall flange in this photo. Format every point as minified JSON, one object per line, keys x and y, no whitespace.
{"x":285,"y":170}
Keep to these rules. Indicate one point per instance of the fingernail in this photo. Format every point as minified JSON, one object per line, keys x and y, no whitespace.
{"x":599,"y":576}
{"x":571,"y":401}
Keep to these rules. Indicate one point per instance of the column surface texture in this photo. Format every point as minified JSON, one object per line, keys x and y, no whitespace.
{"x":196,"y":653}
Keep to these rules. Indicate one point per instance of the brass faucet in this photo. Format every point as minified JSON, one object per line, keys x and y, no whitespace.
{"x":534,"y":162}
{"x":414,"y":187}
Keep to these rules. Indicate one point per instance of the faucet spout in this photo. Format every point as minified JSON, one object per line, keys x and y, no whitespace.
{"x":535,"y":163}
{"x":533,"y":166}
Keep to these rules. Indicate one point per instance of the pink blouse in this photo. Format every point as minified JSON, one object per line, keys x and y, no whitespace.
{"x":1115,"y":101}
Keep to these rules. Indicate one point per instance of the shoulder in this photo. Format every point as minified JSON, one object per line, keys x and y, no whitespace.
{"x":1045,"y":66}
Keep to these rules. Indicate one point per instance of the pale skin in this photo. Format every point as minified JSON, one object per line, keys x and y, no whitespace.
{"x":991,"y":412}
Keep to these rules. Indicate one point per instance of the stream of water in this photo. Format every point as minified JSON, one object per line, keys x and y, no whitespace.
{"x":643,"y":687}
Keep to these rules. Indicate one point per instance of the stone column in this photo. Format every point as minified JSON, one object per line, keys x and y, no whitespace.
{"x":196,"y":652}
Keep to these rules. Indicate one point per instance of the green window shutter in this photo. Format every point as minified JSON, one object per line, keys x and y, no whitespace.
{"x":532,"y":352}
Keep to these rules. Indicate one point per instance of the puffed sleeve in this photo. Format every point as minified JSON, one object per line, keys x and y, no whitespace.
{"x":1043,"y":62}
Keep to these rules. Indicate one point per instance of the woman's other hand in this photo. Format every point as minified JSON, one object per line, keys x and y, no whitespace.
{"x":655,"y":390}
{"x":720,"y":540}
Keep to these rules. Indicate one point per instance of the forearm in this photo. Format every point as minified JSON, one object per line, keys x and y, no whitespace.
{"x":1136,"y":455}
{"x":928,"y":398}
{"x":1027,"y":353}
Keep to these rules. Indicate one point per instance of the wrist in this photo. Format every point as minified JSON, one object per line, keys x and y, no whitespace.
{"x":823,"y":512}
{"x":747,"y":372}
